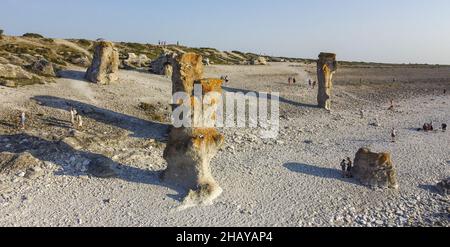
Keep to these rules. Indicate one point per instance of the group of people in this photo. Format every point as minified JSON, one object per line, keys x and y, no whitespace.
{"x":75,"y":118}
{"x":312,"y":84}
{"x":429,"y":127}
{"x":225,"y":78}
{"x":292,"y":80}
{"x":346,"y":166}
{"x":162,"y":43}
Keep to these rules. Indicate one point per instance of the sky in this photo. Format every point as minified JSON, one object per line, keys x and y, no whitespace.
{"x":399,"y":31}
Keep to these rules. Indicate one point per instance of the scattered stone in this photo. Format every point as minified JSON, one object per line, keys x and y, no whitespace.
{"x":18,"y":164}
{"x":101,"y":167}
{"x":134,"y":62}
{"x":43,"y":67}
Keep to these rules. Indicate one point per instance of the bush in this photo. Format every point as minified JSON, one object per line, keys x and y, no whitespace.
{"x":33,"y":35}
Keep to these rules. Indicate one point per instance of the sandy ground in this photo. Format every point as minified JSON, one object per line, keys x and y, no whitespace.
{"x":293,"y":180}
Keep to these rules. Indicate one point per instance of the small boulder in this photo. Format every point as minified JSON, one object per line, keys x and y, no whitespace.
{"x":259,"y":61}
{"x":43,"y":67}
{"x":25,"y":163}
{"x":374,"y":169}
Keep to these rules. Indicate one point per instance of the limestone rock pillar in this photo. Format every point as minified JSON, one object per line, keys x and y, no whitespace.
{"x":190,"y":149}
{"x":105,"y":64}
{"x":326,"y":67}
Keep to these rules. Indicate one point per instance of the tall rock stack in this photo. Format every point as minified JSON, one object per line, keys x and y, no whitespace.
{"x":326,"y":67}
{"x":190,"y":150}
{"x":105,"y":64}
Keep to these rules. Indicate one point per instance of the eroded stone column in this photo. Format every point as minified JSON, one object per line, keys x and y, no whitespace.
{"x":190,"y":150}
{"x":326,"y":67}
{"x":105,"y":64}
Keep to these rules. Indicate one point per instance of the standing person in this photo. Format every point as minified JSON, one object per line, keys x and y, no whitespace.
{"x":80,"y":121}
{"x":314,"y":84}
{"x":349,"y":167}
{"x":310,"y":83}
{"x":73,"y":114}
{"x":294,"y":80}
{"x":290,"y":80}
{"x":392,"y":105}
{"x":344,"y":168}
{"x":23,"y":118}
{"x":444,"y":127}
{"x":393,"y":134}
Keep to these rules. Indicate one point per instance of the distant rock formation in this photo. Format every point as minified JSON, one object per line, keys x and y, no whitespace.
{"x":43,"y":67}
{"x":105,"y":64}
{"x":374,"y":169}
{"x":190,"y":150}
{"x":444,"y":187}
{"x":259,"y":61}
{"x":163,"y":65}
{"x":12,"y":76}
{"x":326,"y":67}
{"x":134,"y":61}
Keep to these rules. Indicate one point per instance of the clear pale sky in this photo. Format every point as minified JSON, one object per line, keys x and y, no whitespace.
{"x":399,"y":31}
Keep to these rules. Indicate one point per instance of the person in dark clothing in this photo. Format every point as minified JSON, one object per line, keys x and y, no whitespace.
{"x":349,"y":167}
{"x":444,"y":127}
{"x":344,"y":168}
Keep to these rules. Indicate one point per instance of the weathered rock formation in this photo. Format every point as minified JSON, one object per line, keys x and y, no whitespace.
{"x":444,"y":187}
{"x":105,"y":64}
{"x":374,"y":169}
{"x":43,"y":67}
{"x":163,"y":65}
{"x":259,"y":61}
{"x":190,"y":150}
{"x":13,"y":76}
{"x":134,"y":61}
{"x":326,"y":67}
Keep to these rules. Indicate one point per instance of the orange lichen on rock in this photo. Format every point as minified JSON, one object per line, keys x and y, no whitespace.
{"x":375,"y":169}
{"x":190,"y":150}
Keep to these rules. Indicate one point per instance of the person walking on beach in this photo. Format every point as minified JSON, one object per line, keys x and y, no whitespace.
{"x":73,"y":114}
{"x":23,"y":119}
{"x":392,"y":105}
{"x":393,"y":134}
{"x":80,"y":121}
{"x":349,"y":167}
{"x":344,"y":168}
